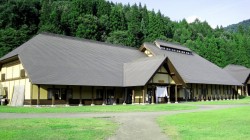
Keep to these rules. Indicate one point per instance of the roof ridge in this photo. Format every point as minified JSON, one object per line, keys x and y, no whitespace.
{"x":173,"y":43}
{"x":88,"y":40}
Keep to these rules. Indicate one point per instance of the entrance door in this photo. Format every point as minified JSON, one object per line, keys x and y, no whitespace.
{"x":172,"y":93}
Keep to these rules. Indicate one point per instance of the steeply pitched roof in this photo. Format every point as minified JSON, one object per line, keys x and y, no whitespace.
{"x":141,"y":70}
{"x":61,"y":60}
{"x":240,"y":73}
{"x":193,"y":68}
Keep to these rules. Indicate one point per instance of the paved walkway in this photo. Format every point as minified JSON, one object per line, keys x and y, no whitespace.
{"x":133,"y":125}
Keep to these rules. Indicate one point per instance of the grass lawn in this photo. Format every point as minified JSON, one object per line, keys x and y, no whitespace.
{"x":245,"y":100}
{"x":226,"y":124}
{"x":60,"y":129}
{"x":117,"y":108}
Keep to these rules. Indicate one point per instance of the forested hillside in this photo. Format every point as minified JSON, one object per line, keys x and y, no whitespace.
{"x":244,"y":25}
{"x":129,"y":25}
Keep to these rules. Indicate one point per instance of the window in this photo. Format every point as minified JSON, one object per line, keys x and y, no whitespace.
{"x":22,"y":73}
{"x":99,"y":94}
{"x":2,"y":77}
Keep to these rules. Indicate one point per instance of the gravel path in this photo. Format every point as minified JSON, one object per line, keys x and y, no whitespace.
{"x":133,"y":125}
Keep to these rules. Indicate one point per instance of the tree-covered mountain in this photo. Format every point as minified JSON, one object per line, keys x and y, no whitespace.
{"x":243,"y":25}
{"x":129,"y":25}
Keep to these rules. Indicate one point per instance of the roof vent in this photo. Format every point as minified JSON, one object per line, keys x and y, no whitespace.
{"x":175,"y":50}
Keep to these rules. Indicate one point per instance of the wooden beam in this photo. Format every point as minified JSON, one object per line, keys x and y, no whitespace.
{"x":67,"y":96}
{"x":161,"y":72}
{"x":104,"y":96}
{"x":133,"y":96}
{"x":176,"y":98}
{"x":211,"y":92}
{"x":92,"y":97}
{"x":125,"y":90}
{"x":143,"y":95}
{"x":246,"y":90}
{"x":202,"y":92}
{"x":153,"y":95}
{"x":80,"y":101}
{"x":168,"y":88}
{"x":197,"y":92}
{"x":38,"y":96}
{"x":206,"y":91}
{"x":31,"y":93}
{"x":114,"y":102}
{"x":53,"y":96}
{"x":172,"y":73}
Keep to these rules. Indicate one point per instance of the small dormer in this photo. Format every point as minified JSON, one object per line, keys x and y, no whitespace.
{"x":167,"y":46}
{"x":146,"y":51}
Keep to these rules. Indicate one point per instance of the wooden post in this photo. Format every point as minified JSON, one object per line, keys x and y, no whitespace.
{"x":67,"y":96}
{"x":125,"y":93}
{"x":219,"y":91}
{"x":104,"y":96}
{"x":114,"y":102}
{"x":176,"y":99}
{"x":31,"y":93}
{"x":246,"y":90}
{"x":238,"y":95}
{"x":38,"y":97}
{"x":92,"y":96}
{"x":235,"y":89}
{"x":206,"y":92}
{"x":241,"y":91}
{"x":153,"y":95}
{"x":231,"y":93}
{"x":133,"y":96}
{"x":227,"y":93}
{"x":215,"y":93}
{"x":143,"y":96}
{"x":224,"y":93}
{"x":53,"y":96}
{"x":169,"y":102}
{"x":211,"y":93}
{"x":191,"y":92}
{"x":80,"y":102}
{"x":197,"y":92}
{"x":202,"y":92}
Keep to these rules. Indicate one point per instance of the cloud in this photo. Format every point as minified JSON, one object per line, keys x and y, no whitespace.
{"x":191,"y":19}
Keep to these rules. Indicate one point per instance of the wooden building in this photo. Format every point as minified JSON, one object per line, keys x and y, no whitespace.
{"x":53,"y":69}
{"x":242,"y":74}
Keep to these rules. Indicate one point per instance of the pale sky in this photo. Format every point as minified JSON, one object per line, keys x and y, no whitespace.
{"x":215,"y":12}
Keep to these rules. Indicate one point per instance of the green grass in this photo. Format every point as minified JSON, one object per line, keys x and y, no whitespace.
{"x":244,"y":100}
{"x":60,"y":129}
{"x":226,"y":124}
{"x":117,"y":108}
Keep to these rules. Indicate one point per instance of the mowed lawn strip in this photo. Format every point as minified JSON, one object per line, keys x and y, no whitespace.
{"x":60,"y":129}
{"x":226,"y":124}
{"x":245,"y":100}
{"x":116,"y":108}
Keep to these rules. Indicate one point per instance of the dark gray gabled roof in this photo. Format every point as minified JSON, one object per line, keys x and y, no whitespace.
{"x":195,"y":69}
{"x":139,"y":72}
{"x":61,"y":60}
{"x":240,"y":73}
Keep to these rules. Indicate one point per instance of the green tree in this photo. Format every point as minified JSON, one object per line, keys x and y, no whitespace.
{"x":119,"y":38}
{"x":88,"y":27}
